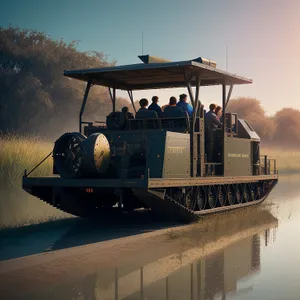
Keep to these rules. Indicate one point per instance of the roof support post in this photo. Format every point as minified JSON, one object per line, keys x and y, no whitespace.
{"x":131,"y":99}
{"x":86,"y":93}
{"x":224,"y":124}
{"x":110,"y":94}
{"x":199,"y":149}
{"x":196,"y":111}
{"x":192,"y":128}
{"x":188,"y":78}
{"x":113,"y":97}
{"x":228,"y":97}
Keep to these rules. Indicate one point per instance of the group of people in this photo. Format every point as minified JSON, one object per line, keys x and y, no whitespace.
{"x":213,"y":118}
{"x":172,"y":102}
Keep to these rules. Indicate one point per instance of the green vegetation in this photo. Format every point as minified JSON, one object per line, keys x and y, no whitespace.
{"x":17,"y":153}
{"x":35,"y":96}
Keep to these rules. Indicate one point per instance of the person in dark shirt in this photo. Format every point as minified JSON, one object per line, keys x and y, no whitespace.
{"x":212,"y":122}
{"x":184,"y":105}
{"x":154,"y":106}
{"x":143,"y":103}
{"x":172,"y":102}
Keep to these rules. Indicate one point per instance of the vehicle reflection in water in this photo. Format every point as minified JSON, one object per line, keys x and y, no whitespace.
{"x":205,"y":278}
{"x":206,"y":272}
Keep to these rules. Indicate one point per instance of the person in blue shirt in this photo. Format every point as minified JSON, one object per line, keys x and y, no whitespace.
{"x":154,"y":106}
{"x":184,"y":105}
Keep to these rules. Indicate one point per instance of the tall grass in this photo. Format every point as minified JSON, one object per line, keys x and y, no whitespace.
{"x":17,"y":153}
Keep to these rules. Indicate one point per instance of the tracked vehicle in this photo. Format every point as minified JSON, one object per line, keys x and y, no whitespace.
{"x":156,"y":162}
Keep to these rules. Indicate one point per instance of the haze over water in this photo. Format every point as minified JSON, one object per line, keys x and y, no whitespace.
{"x":257,"y":257}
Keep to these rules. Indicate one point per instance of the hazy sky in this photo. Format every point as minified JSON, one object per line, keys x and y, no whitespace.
{"x":262,"y":37}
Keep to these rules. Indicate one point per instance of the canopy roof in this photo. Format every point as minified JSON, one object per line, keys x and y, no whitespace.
{"x":156,"y":75}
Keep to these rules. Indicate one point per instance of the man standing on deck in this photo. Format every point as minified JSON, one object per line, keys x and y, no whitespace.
{"x":184,"y":105}
{"x":211,"y":124}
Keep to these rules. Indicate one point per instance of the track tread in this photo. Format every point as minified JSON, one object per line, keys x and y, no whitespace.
{"x":164,"y":206}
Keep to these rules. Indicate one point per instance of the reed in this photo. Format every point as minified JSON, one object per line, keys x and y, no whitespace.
{"x":17,"y":153}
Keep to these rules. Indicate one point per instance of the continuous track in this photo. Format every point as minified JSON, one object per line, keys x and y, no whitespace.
{"x":167,"y":208}
{"x":161,"y":204}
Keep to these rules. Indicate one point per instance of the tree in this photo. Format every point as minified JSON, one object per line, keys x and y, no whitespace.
{"x":251,"y":110}
{"x":35,"y":96}
{"x":288,"y":124}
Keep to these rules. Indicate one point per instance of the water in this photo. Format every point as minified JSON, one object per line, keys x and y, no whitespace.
{"x":252,"y":254}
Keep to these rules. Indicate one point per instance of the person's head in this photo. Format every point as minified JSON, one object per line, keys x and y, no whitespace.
{"x":172,"y":101}
{"x":218,"y":110}
{"x":154,"y":99}
{"x":212,"y":107}
{"x":144,"y":103}
{"x":183,"y":97}
{"x":125,"y":109}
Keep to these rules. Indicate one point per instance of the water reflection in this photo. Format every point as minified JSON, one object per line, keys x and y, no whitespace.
{"x":206,"y":278}
{"x":203,"y":270}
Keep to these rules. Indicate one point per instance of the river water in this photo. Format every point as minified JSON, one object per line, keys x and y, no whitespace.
{"x":245,"y":255}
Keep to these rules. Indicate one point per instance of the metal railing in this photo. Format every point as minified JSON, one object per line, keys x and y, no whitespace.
{"x":267,"y":166}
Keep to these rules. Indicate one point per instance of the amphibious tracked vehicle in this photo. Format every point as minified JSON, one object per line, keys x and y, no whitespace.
{"x":160,"y":163}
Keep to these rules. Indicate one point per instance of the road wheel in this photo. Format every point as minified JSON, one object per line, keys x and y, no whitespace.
{"x":189,"y":199}
{"x":258,"y":190}
{"x":238,"y":194}
{"x":251,"y":189}
{"x":246,"y":195}
{"x":221,"y":195}
{"x":230,"y":195}
{"x":211,"y":197}
{"x":200,"y":197}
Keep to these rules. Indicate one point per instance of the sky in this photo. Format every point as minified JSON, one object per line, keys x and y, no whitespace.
{"x":262,"y":38}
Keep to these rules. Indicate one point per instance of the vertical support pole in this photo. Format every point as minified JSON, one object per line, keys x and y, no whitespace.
{"x":266,"y":165}
{"x":192,"y":130}
{"x":110,"y":94}
{"x":228,"y":97}
{"x":193,"y":136}
{"x":131,"y":99}
{"x":86,"y":93}
{"x":196,"y":111}
{"x":200,"y":135}
{"x":114,"y":99}
{"x":224,"y":125}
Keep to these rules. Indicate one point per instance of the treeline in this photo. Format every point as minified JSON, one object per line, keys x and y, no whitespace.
{"x":36,"y":98}
{"x":280,"y":130}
